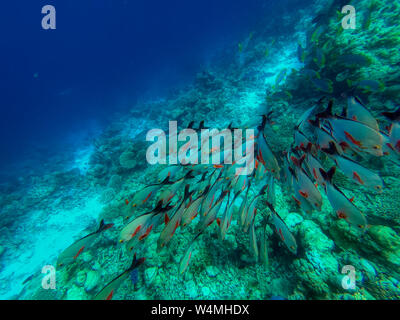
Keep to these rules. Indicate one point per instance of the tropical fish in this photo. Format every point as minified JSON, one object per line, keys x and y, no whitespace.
{"x":394,"y":134}
{"x":252,"y":210}
{"x":211,"y":195}
{"x":307,"y":188}
{"x":142,"y":223}
{"x":266,"y":156}
{"x":184,"y":263}
{"x":355,"y":171}
{"x":169,"y":193}
{"x":283,"y":231}
{"x":313,"y":166}
{"x":324,"y":85}
{"x":358,"y":112}
{"x":227,"y":216}
{"x":169,"y":171}
{"x":171,"y":226}
{"x":260,"y":170}
{"x":358,"y":135}
{"x":368,"y":85}
{"x":305,"y":116}
{"x":343,"y":207}
{"x":316,"y":34}
{"x":193,"y":209}
{"x":71,"y":253}
{"x":243,"y":207}
{"x":212,"y":214}
{"x":324,"y":138}
{"x":300,"y":140}
{"x":354,"y":60}
{"x":142,"y":196}
{"x":253,"y":241}
{"x":108,"y":291}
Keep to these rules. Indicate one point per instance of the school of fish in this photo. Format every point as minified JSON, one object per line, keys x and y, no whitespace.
{"x":202,"y":194}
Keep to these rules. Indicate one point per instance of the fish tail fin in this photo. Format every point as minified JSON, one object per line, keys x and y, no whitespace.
{"x":327,"y":113}
{"x":166,"y":181}
{"x":189,"y":175}
{"x":314,"y":123}
{"x":158,"y":206}
{"x":103,"y":226}
{"x":344,"y":112}
{"x":308,"y":148}
{"x":332,"y":150}
{"x":328,"y":175}
{"x":263,"y":189}
{"x":298,"y":162}
{"x":393,"y":116}
{"x":136,"y":262}
{"x":190,"y":125}
{"x":187,"y":193}
{"x":266,"y":118}
{"x":203,"y":176}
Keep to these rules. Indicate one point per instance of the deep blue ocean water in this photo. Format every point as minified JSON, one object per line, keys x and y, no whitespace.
{"x":102,"y":57}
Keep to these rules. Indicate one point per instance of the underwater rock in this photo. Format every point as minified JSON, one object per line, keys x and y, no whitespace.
{"x":76,"y":293}
{"x":368,"y":269}
{"x":97,"y":171}
{"x":107,"y":196}
{"x":313,"y":238}
{"x":212,"y":271}
{"x":80,"y":278}
{"x":205,"y":292}
{"x":115,"y":182}
{"x":293,"y":219}
{"x":150,"y":274}
{"x":127,"y":160}
{"x":191,"y":290}
{"x":389,"y":241}
{"x":92,"y":280}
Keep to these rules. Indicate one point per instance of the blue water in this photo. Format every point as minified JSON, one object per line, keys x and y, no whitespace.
{"x":103,"y":56}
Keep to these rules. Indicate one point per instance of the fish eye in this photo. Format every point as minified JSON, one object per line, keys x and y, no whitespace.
{"x":377,"y":147}
{"x":361,"y":226}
